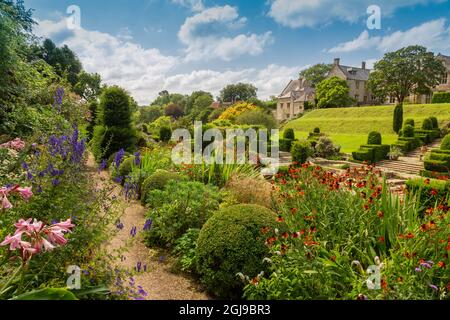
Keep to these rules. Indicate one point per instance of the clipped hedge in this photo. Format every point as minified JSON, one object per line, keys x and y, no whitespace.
{"x":374,"y":138}
{"x":285,"y":145}
{"x":231,"y":242}
{"x":372,"y":153}
{"x":409,"y":122}
{"x":441,"y":97}
{"x":289,"y":134}
{"x":445,"y":145}
{"x":427,"y":124}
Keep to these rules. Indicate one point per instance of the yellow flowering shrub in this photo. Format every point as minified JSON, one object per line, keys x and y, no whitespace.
{"x":236,"y":110}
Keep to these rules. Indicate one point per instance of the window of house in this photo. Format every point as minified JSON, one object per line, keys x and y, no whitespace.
{"x":289,"y":105}
{"x":445,"y":78}
{"x":357,"y":97}
{"x":281,"y":105}
{"x":365,"y":98}
{"x":357,"y":84}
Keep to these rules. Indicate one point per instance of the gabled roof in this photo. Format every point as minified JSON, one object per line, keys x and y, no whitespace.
{"x":353,"y":73}
{"x":299,"y":89}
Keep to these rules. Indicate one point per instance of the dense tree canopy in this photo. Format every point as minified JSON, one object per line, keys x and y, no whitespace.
{"x":88,"y":85}
{"x":238,"y":92}
{"x":63,"y":60}
{"x":333,"y":93}
{"x":316,"y":73}
{"x":410,"y":70}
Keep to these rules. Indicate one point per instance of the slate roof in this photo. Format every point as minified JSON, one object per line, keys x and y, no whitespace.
{"x":353,"y":73}
{"x":298,"y":89}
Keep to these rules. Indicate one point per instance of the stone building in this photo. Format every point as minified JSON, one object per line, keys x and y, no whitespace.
{"x":291,"y":102}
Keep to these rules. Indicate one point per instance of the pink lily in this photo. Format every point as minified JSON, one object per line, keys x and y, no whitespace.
{"x":14,"y":241}
{"x":26,"y":193}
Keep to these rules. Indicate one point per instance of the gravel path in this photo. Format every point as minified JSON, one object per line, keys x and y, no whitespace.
{"x":159,"y":282}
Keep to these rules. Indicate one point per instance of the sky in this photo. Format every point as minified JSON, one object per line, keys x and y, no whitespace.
{"x":147,"y":46}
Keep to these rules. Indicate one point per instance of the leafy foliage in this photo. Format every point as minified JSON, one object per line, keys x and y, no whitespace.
{"x":333,"y":93}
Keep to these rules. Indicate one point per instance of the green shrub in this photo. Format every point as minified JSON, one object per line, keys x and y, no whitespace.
{"x":158,"y":181}
{"x":424,"y":188}
{"x":114,"y":130}
{"x":445,"y":145}
{"x":165,"y":134}
{"x":398,"y":118}
{"x":301,"y":151}
{"x":374,"y":138}
{"x":436,"y":165}
{"x":178,"y":208}
{"x":410,"y":122}
{"x":285,"y":145}
{"x":185,"y":249}
{"x":325,"y":148}
{"x":126,"y":166}
{"x":380,"y":152}
{"x":435,"y":122}
{"x":427,"y":124}
{"x":230,"y":243}
{"x":408,"y":131}
{"x":363,"y":154}
{"x":441,"y":97}
{"x":316,"y":130}
{"x":289,"y":134}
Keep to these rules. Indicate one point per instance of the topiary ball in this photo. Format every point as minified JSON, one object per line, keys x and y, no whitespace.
{"x":158,"y":181}
{"x":289,"y":134}
{"x":427,"y":124}
{"x":434,"y":122}
{"x":445,"y":145}
{"x":231,"y":242}
{"x":316,"y":130}
{"x":374,"y":138}
{"x":126,"y":166}
{"x":410,"y":122}
{"x":408,"y":131}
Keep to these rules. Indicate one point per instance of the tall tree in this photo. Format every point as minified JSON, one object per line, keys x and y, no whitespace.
{"x":63,"y":60}
{"x":238,"y":92}
{"x":316,"y":73}
{"x":333,"y":93}
{"x":88,"y":85}
{"x":410,"y":70}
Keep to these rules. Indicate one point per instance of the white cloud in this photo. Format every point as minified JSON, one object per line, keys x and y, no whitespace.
{"x":311,"y":13}
{"x":145,"y":72}
{"x":434,"y":35}
{"x":119,"y":61}
{"x":194,"y":5}
{"x":204,"y":36}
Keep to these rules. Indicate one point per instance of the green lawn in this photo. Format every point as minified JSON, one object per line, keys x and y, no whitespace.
{"x":349,"y":127}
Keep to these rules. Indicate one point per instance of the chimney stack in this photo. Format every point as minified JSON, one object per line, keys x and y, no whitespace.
{"x":364,"y":65}
{"x":337,"y":61}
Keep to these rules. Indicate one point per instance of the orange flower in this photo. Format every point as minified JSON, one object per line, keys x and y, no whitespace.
{"x":434,"y":192}
{"x":380,"y":214}
{"x":429,"y":211}
{"x":441,"y":264}
{"x":294,"y":210}
{"x":285,"y":235}
{"x":427,"y":181}
{"x":280,"y":219}
{"x":381,"y":239}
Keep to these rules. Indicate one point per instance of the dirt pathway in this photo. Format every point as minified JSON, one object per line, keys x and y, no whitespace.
{"x":158,"y":281}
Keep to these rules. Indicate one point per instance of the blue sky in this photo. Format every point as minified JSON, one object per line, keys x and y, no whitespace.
{"x":148,"y":46}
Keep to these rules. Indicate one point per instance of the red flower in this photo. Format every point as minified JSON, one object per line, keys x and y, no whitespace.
{"x":285,"y":235}
{"x":427,"y":181}
{"x":294,"y":210}
{"x":280,"y":219}
{"x":434,"y":192}
{"x":441,"y":264}
{"x":381,"y":239}
{"x":380,"y":214}
{"x":429,"y":211}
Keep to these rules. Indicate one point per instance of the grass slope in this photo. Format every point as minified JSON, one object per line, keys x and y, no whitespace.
{"x":349,"y":127}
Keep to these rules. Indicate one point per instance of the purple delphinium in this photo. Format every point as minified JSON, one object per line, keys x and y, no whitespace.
{"x":120,"y":226}
{"x":118,"y":179}
{"x":119,"y":157}
{"x":418,"y":270}
{"x":102,"y":165}
{"x":133,"y":232}
{"x":55,"y":182}
{"x":137,"y":158}
{"x":148,"y":224}
{"x":58,"y":98}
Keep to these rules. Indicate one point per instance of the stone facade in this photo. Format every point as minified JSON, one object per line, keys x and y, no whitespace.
{"x":356,"y":79}
{"x":291,"y":101}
